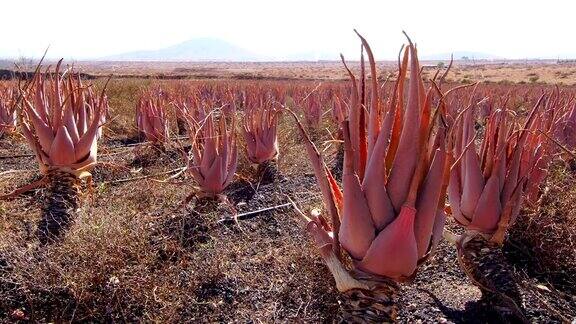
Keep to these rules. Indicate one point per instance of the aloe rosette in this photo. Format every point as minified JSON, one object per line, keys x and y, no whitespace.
{"x":313,"y":110}
{"x":151,"y":117}
{"x":260,"y":129}
{"x":214,"y":153}
{"x":7,"y":111}
{"x":61,"y":120}
{"x":390,"y":214}
{"x":487,"y":186}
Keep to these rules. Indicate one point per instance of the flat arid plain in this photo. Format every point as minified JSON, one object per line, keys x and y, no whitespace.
{"x":504,"y":71}
{"x":154,"y":234}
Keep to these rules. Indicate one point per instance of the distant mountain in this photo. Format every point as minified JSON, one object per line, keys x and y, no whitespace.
{"x":460,"y":55}
{"x":197,"y":49}
{"x":214,"y":49}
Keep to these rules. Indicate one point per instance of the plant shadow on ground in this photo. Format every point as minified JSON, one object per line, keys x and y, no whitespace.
{"x":150,"y":155}
{"x":123,"y":141}
{"x":475,"y":311}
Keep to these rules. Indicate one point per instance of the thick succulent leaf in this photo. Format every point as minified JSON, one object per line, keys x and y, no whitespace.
{"x":407,"y":154}
{"x":375,"y":111}
{"x":488,"y":210}
{"x":321,"y":173}
{"x":357,"y":229}
{"x":394,"y":253}
{"x":62,"y":149}
{"x":43,"y":132}
{"x":454,"y":195}
{"x":438,"y":229}
{"x":232,"y":164}
{"x":427,"y":202}
{"x":473,"y":179}
{"x":70,"y":123}
{"x":89,"y":138}
{"x":214,"y":177}
{"x":513,"y":175}
{"x":374,"y":184}
{"x":398,"y":111}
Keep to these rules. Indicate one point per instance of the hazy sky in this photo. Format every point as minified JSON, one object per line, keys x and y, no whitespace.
{"x":95,"y":28}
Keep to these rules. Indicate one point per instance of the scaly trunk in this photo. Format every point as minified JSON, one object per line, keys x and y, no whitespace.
{"x":378,"y":304}
{"x":484,"y":263}
{"x":364,"y":298}
{"x":268,"y":172}
{"x":61,"y":203}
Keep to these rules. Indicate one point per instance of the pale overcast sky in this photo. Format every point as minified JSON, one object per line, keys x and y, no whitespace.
{"x":90,"y":29}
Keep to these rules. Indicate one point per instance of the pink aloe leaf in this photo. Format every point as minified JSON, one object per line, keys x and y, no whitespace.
{"x":394,"y":252}
{"x":330,"y":192}
{"x":473,"y":180}
{"x":375,"y":110}
{"x":62,"y":149}
{"x":405,"y":160}
{"x":428,"y":197}
{"x":357,"y":229}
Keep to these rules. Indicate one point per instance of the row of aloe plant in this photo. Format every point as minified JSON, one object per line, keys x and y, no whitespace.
{"x":205,"y":112}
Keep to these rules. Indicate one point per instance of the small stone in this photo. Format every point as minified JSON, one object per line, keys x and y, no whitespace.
{"x":18,"y":314}
{"x":542,"y":287}
{"x":113,"y":281}
{"x":315,"y":212}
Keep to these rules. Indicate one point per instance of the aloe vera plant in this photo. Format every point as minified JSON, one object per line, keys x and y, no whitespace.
{"x":7,"y":111}
{"x":487,"y":189}
{"x":260,"y":132}
{"x":61,"y":120}
{"x":390,"y":214}
{"x":487,"y":185}
{"x":214,"y":153}
{"x":151,"y":117}
{"x":311,"y":101}
{"x":313,"y":109}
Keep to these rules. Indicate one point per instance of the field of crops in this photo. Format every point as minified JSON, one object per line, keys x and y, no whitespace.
{"x":403,"y":194}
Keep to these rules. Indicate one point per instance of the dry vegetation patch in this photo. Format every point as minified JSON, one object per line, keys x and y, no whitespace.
{"x":547,"y":234}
